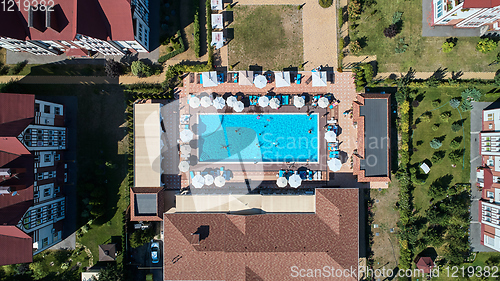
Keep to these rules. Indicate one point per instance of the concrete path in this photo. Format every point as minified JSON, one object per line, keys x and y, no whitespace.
{"x":426,"y":75}
{"x":319,"y":30}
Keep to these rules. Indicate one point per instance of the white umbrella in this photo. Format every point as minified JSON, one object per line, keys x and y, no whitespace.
{"x":299,"y":102}
{"x":194,"y":102}
{"x":263,"y":101}
{"x":209,"y":179}
{"x":231,"y":100}
{"x":334,"y":164}
{"x":186,"y":135}
{"x":238,"y":106}
{"x":323,"y":102}
{"x":206,"y":101}
{"x":274,"y":103}
{"x":295,"y":180}
{"x":219,"y":103}
{"x":183,"y":166}
{"x":185,"y":149}
{"x":260,"y":81}
{"x":330,"y":136}
{"x":198,"y":181}
{"x":282,"y":182}
{"x":219,"y":181}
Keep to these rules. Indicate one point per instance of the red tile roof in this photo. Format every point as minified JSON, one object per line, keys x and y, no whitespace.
{"x":14,"y":107}
{"x":16,"y":246}
{"x":263,"y":247}
{"x":159,"y":207}
{"x":480,"y":3}
{"x":102,"y":19}
{"x":425,"y":263}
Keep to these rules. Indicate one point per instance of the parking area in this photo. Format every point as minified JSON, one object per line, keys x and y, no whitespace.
{"x":142,"y":260}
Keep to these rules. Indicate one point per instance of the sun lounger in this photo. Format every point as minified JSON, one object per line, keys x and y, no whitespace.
{"x":191,"y":174}
{"x":222,"y":171}
{"x":298,"y":79}
{"x":201,"y":79}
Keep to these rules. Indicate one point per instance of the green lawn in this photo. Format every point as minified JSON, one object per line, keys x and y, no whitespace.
{"x":269,"y":36}
{"x":423,"y":53}
{"x":101,"y":138}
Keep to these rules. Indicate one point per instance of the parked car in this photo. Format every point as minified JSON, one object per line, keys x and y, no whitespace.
{"x":155,"y":248}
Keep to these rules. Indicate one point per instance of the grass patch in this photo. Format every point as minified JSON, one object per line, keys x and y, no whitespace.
{"x":422,"y":53}
{"x":269,"y":36}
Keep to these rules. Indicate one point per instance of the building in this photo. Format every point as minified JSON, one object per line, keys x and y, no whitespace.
{"x":74,"y":26}
{"x":488,"y":177}
{"x":272,"y":246}
{"x":466,"y":13}
{"x":32,"y":174}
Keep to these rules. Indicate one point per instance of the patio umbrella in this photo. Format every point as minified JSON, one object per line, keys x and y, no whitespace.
{"x":260,"y":81}
{"x":185,"y":149}
{"x":263,"y":101}
{"x":209,"y":179}
{"x":219,"y":181}
{"x":334,"y":164}
{"x":295,"y":180}
{"x":194,"y":102}
{"x":299,"y":102}
{"x":183,"y":166}
{"x":231,"y":100}
{"x":330,"y":136}
{"x":198,"y":181}
{"x":238,"y":106}
{"x":186,"y":135}
{"x":206,"y":101}
{"x":282,"y":182}
{"x":323,"y":102}
{"x":219,"y":103}
{"x":274,"y":103}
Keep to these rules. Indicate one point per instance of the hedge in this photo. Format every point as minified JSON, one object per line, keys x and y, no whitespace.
{"x":196,"y":25}
{"x":170,"y":55}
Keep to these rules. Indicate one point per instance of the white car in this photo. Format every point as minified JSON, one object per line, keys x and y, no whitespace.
{"x":155,"y":248}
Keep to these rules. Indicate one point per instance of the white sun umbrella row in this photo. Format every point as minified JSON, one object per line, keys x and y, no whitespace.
{"x":199,"y":181}
{"x":298,"y":101}
{"x":294,"y":181}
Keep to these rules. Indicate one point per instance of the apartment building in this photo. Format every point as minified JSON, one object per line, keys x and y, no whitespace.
{"x":488,"y":178}
{"x":32,"y":175}
{"x":466,"y":13}
{"x":109,"y":27}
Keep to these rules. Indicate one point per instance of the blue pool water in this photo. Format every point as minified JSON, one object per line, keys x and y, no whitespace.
{"x":254,"y":137}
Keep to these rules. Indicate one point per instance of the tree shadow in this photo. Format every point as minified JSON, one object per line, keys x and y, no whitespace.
{"x":440,"y":73}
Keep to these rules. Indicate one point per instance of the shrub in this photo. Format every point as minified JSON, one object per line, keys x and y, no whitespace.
{"x":396,"y":17}
{"x":19,"y":67}
{"x":341,"y":43}
{"x":471,"y":93}
{"x":454,"y":144}
{"x":355,"y":47}
{"x":455,"y":127}
{"x":325,"y":3}
{"x":486,"y":45}
{"x":435,"y":127}
{"x":448,"y":46}
{"x":340,"y":15}
{"x":389,"y":81}
{"x":112,"y":68}
{"x":401,"y":46}
{"x":391,"y":31}
{"x":404,"y":108}
{"x":170,"y":55}
{"x":354,"y":9}
{"x":445,"y":116}
{"x":456,"y":156}
{"x":466,"y":105}
{"x":435,"y":103}
{"x":497,"y":78}
{"x":140,"y":237}
{"x":432,"y":82}
{"x":435,"y":143}
{"x":454,"y":103}
{"x":426,"y":117}
{"x":438,"y":156}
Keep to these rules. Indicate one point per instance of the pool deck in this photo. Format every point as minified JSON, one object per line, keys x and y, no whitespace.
{"x":342,"y":88}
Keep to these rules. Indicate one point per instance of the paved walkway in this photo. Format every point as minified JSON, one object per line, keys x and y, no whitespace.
{"x":319,"y":30}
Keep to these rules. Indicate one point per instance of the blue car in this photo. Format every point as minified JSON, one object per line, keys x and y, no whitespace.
{"x":155,"y":248}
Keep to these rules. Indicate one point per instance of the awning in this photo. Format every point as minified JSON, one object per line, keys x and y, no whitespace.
{"x":147,"y":145}
{"x":217,"y":21}
{"x":209,"y":79}
{"x":282,"y":78}
{"x":319,"y":78}
{"x":216,"y":5}
{"x":245,"y":78}
{"x":217,"y":39}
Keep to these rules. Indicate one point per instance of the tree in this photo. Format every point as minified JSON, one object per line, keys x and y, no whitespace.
{"x":486,"y":45}
{"x":438,"y":156}
{"x":325,"y":3}
{"x":454,"y":103}
{"x":111,"y":273}
{"x":454,"y":144}
{"x":456,"y":156}
{"x":141,"y":69}
{"x":355,"y":47}
{"x":447,"y":46}
{"x":436,"y":144}
{"x":455,"y":127}
{"x":445,"y":116}
{"x":354,"y":9}
{"x":112,"y":68}
{"x":391,"y":31}
{"x":471,"y":94}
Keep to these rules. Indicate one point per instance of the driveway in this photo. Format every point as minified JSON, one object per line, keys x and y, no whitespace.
{"x":141,"y":258}
{"x":475,"y":161}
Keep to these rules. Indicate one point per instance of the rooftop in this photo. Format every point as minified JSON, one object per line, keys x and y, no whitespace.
{"x":263,"y":247}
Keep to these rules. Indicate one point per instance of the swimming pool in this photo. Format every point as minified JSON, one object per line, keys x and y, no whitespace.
{"x":258,"y":137}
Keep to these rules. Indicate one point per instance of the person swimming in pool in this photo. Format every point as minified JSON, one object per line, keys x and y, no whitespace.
{"x":310,"y":131}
